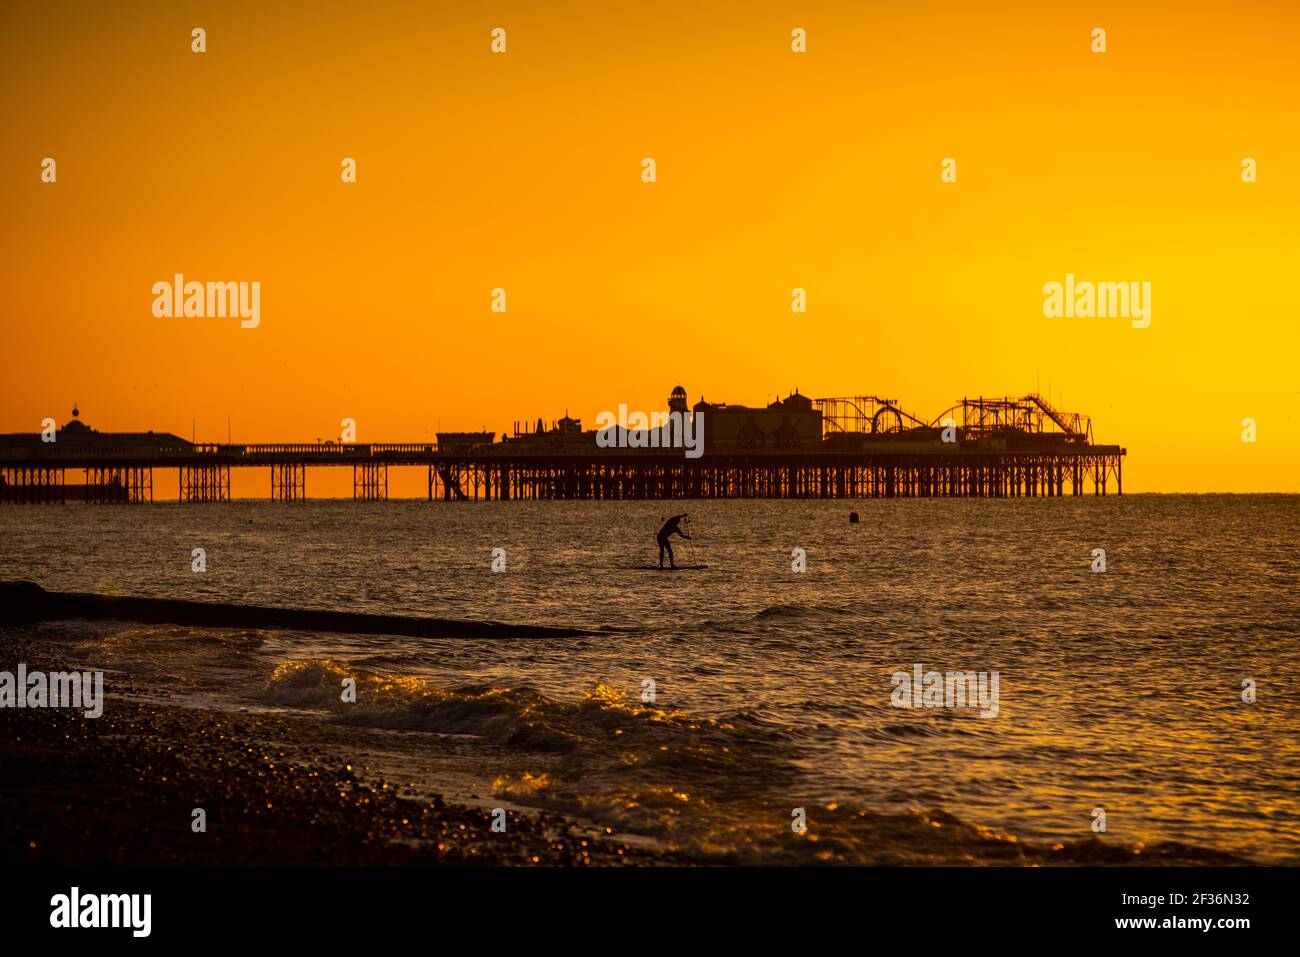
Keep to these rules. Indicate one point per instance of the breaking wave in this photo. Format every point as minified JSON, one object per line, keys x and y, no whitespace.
{"x":720,"y":789}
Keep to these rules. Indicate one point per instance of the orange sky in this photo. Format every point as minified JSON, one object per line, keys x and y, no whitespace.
{"x":775,"y":170}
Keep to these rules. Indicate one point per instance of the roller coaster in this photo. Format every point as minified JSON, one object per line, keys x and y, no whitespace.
{"x":978,"y":419}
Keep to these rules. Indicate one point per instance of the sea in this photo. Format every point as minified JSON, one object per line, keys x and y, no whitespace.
{"x":753,"y":710}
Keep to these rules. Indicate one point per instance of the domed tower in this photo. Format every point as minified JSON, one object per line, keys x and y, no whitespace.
{"x":677,"y":400}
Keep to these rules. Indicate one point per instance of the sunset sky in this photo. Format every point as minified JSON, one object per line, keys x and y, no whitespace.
{"x":775,"y":170}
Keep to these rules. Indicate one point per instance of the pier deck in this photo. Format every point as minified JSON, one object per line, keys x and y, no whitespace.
{"x":878,"y":470}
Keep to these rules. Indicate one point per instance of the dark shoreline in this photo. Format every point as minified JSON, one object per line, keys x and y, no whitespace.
{"x":120,"y":790}
{"x":24,"y":602}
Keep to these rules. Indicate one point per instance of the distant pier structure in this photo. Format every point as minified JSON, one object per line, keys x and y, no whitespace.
{"x":796,"y":447}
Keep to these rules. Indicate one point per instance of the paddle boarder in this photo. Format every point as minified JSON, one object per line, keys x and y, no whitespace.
{"x":671,"y":527}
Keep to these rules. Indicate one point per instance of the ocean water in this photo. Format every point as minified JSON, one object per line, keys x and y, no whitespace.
{"x":1120,"y":690}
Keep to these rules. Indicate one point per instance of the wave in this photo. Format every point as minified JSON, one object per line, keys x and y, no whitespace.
{"x":797,"y":610}
{"x":719,"y":790}
{"x":520,"y":717}
{"x":164,"y":650}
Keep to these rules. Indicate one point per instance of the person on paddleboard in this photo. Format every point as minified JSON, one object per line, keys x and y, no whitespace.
{"x":671,"y":527}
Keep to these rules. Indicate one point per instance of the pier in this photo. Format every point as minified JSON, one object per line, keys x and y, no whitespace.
{"x":796,"y":448}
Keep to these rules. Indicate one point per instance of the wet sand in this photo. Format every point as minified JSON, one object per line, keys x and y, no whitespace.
{"x":121,"y":790}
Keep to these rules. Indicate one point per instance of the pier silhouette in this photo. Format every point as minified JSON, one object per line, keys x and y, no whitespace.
{"x":850,"y":447}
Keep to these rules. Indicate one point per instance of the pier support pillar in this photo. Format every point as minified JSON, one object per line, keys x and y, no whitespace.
{"x":43,"y":484}
{"x":114,"y":484}
{"x":204,"y":483}
{"x":288,"y":483}
{"x":370,"y":482}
